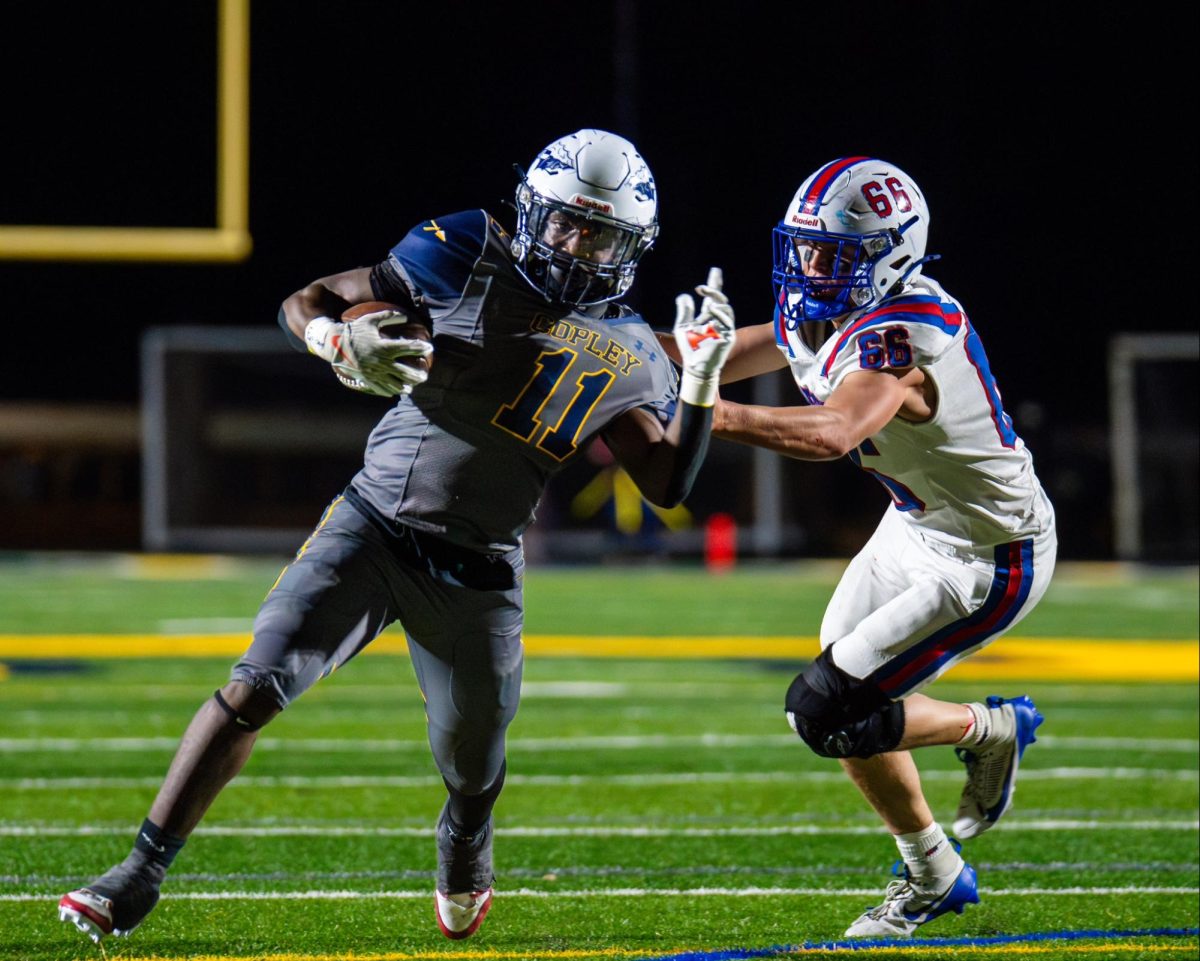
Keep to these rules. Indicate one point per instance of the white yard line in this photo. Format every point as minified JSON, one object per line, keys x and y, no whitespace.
{"x":578,"y":780}
{"x":615,"y":830}
{"x":807,"y":871}
{"x":623,"y":893}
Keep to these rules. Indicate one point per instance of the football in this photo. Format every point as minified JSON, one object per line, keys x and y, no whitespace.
{"x":403,"y":325}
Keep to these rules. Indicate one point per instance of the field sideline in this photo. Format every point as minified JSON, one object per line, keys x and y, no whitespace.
{"x":657,"y":807}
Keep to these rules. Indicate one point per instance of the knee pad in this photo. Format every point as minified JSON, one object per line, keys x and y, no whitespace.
{"x":837,"y":715}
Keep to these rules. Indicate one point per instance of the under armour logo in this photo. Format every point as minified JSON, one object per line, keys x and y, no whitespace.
{"x":696,"y":337}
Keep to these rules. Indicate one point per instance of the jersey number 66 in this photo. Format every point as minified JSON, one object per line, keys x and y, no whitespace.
{"x":886,"y":348}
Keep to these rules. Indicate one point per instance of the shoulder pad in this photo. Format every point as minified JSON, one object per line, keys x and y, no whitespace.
{"x":438,"y":255}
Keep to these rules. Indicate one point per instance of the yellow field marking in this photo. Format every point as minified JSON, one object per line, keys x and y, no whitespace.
{"x":175,"y":567}
{"x":1139,"y":949}
{"x":1050,"y":658}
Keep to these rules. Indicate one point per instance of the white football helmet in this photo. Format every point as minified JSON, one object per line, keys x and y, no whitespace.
{"x":587,"y":210}
{"x":859,"y":226}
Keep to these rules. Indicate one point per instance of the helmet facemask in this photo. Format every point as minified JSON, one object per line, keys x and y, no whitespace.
{"x":575,"y":255}
{"x":587,"y":211}
{"x":840,"y":272}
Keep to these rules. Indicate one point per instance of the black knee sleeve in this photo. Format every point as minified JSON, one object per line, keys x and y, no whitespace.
{"x":837,"y":715}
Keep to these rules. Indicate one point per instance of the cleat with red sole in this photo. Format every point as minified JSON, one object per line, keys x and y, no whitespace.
{"x":460,"y":915}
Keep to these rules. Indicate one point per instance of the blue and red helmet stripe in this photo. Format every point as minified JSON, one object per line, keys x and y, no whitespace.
{"x":822,"y":179}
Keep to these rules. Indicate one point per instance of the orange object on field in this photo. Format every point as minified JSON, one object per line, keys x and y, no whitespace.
{"x":720,"y":542}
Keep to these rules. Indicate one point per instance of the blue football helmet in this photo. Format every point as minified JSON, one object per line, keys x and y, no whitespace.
{"x":854,"y":233}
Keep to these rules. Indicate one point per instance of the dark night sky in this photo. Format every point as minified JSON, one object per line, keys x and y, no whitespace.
{"x":1042,"y":134}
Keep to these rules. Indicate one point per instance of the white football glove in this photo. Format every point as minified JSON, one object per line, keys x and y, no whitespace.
{"x":705,"y":341}
{"x":366,"y":359}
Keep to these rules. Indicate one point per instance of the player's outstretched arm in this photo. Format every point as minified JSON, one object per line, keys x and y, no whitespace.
{"x":664,"y":462}
{"x":860,"y":406}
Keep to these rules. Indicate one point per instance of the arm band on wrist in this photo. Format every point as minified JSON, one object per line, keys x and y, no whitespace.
{"x":317,"y":337}
{"x":698,"y":391}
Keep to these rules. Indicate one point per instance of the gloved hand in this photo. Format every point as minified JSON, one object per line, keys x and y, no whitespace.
{"x":367,"y":359}
{"x":704,"y":341}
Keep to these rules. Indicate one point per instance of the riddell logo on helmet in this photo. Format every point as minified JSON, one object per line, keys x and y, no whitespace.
{"x":806,"y":220}
{"x":579,"y":200}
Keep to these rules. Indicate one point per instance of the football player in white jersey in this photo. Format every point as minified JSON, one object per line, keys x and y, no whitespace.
{"x":896,"y":378}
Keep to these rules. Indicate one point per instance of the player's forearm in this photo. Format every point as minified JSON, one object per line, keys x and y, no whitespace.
{"x":315,"y":300}
{"x":673,"y":463}
{"x":806,"y":433}
{"x":753,"y":354}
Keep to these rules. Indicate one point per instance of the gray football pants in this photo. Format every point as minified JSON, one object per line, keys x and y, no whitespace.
{"x":461,"y":612}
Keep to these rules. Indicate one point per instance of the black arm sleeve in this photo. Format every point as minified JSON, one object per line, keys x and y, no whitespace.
{"x":695,"y":428}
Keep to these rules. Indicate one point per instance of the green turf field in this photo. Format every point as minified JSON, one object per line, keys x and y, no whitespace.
{"x":654,"y":807}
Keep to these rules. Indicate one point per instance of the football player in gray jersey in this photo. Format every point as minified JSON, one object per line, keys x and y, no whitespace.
{"x":532,"y":357}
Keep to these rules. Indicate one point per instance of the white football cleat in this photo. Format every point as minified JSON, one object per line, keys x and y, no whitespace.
{"x":116,"y":902}
{"x":992,"y":769}
{"x":908,"y":903}
{"x":89,"y":912}
{"x":460,"y":915}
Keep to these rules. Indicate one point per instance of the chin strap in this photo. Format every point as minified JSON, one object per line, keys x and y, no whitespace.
{"x":928,"y":258}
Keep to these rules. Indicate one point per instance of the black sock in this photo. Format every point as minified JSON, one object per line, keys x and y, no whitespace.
{"x":156,"y":844}
{"x":470,"y":812}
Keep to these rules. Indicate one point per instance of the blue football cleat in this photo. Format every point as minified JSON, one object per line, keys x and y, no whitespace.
{"x":992,"y":768}
{"x":911,"y":902}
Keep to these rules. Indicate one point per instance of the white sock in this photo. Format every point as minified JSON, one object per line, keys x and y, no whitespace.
{"x":928,"y":853}
{"x":981,"y":725}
